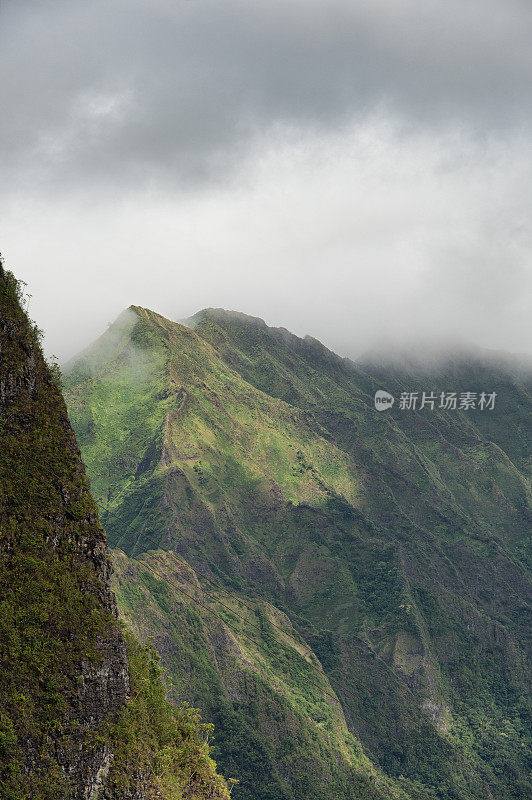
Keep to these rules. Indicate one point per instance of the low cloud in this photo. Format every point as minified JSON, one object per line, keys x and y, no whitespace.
{"x":368,"y":236}
{"x":356,"y":171}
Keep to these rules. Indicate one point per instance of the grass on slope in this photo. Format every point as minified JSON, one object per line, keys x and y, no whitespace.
{"x":272,"y":705}
{"x":152,"y":393}
{"x":391,"y":536}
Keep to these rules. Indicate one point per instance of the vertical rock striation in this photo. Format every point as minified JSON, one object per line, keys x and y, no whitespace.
{"x":83,"y":714}
{"x":63,"y":662}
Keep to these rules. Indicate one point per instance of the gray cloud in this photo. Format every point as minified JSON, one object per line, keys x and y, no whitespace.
{"x":164,"y":91}
{"x":347,"y":169}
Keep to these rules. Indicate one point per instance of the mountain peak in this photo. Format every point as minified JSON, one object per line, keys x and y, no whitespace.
{"x":251,"y":469}
{"x":223,"y":315}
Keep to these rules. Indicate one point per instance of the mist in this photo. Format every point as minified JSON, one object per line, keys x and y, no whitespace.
{"x":357,"y":172}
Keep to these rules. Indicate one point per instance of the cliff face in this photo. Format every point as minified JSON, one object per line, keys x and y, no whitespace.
{"x":63,"y":657}
{"x":82,"y":707}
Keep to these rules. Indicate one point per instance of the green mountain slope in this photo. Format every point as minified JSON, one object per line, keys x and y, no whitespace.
{"x":356,"y":578}
{"x":278,"y":722}
{"x":82,"y":708}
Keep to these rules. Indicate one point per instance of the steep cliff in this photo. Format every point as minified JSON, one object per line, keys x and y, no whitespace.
{"x":76,"y":720}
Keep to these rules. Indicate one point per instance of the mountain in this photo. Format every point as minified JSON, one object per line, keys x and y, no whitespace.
{"x":82,"y":707}
{"x":343,"y":591}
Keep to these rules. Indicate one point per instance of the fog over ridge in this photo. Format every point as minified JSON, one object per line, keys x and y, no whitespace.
{"x":357,"y":172}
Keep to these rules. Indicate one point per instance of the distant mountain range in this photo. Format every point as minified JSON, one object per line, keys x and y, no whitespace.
{"x":344,"y":591}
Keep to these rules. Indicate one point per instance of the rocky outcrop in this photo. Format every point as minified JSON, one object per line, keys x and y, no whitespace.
{"x":83,"y":714}
{"x":52,"y":544}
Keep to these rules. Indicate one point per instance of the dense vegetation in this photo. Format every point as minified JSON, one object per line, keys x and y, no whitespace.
{"x":343,"y":592}
{"x":159,"y":747}
{"x":50,"y":614}
{"x":58,"y":623}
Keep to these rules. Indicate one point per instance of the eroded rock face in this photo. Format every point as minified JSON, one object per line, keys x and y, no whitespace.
{"x":72,"y":671}
{"x":67,"y":730}
{"x":103,"y":690}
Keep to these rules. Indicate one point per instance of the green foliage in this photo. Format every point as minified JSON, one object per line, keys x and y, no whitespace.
{"x":55,"y":373}
{"x":151,"y":737}
{"x":51,"y":615}
{"x":312,"y":730}
{"x":56,"y":614}
{"x":394,"y":544}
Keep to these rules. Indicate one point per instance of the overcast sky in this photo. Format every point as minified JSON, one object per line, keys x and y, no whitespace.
{"x":352,"y":170}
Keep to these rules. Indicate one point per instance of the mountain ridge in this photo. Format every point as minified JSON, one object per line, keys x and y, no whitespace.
{"x":385,"y":539}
